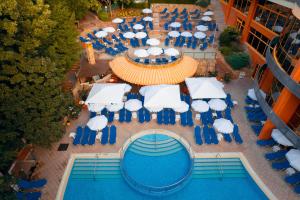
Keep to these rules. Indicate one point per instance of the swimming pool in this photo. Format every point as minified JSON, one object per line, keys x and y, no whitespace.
{"x":211,"y":178}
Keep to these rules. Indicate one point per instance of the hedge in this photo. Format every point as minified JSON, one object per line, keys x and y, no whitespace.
{"x":238,"y":60}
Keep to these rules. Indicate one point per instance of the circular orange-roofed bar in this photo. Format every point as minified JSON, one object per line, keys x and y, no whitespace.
{"x":151,"y":74}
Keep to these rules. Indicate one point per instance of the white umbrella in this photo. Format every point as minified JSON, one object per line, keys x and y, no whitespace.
{"x":184,"y":107}
{"x":138,"y":26}
{"x":117,"y":20}
{"x":129,"y":35}
{"x":280,"y":138}
{"x":127,"y":88}
{"x":109,"y":29}
{"x":141,"y":53}
{"x":206,"y":18}
{"x":200,"y":35}
{"x":153,"y":42}
{"x":175,"y":24}
{"x":101,"y":34}
{"x":223,"y":125}
{"x":252,"y":95}
{"x":97,"y":123}
{"x":202,"y":28}
{"x":171,"y":52}
{"x":174,"y":34}
{"x":208,"y":13}
{"x":186,"y":34}
{"x":115,"y":107}
{"x":95,"y":107}
{"x":148,"y":19}
{"x":155,"y":109}
{"x":140,"y":35}
{"x":217,"y":104}
{"x":200,"y":106}
{"x":133,"y":105}
{"x":155,"y":51}
{"x":293,"y":156}
{"x":147,"y":11}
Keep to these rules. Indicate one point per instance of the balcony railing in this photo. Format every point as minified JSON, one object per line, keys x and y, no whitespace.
{"x":281,"y":125}
{"x":279,"y":72}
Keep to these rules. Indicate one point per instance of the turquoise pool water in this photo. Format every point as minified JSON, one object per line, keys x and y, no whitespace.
{"x":159,"y":160}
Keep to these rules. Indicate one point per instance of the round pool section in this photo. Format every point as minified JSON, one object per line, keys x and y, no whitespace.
{"x":156,"y":164}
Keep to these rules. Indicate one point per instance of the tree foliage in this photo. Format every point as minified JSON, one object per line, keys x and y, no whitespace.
{"x":229,"y":35}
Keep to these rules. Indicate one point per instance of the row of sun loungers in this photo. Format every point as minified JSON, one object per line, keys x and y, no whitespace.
{"x":84,"y":136}
{"x":144,"y":115}
{"x":30,"y":186}
{"x":166,"y":116}
{"x":109,"y":135}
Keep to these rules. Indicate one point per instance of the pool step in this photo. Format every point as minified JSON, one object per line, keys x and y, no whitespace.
{"x":146,"y":152}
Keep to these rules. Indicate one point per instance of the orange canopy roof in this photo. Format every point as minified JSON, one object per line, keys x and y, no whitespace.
{"x":140,"y":74}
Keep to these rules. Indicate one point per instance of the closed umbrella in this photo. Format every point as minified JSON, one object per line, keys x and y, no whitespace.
{"x":202,"y":28}
{"x":155,"y":51}
{"x":208,"y":13}
{"x":184,"y":107}
{"x":175,"y":24}
{"x":153,"y":42}
{"x":133,"y":105}
{"x":141,"y":53}
{"x":97,"y":123}
{"x":147,"y":11}
{"x":140,"y":35}
{"x":223,"y":125}
{"x":200,"y":106}
{"x":200,"y":35}
{"x":174,"y":34}
{"x":280,"y":138}
{"x":129,"y":35}
{"x":115,"y":107}
{"x":148,"y":19}
{"x":217,"y":104}
{"x":293,"y":156}
{"x":117,"y":20}
{"x":206,"y":19}
{"x":138,"y":26}
{"x":186,"y":34}
{"x":171,"y":52}
{"x":109,"y":29}
{"x":101,"y":34}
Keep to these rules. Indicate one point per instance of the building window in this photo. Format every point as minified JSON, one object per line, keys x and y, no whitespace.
{"x":242,"y":5}
{"x":258,"y":41}
{"x":272,"y":17}
{"x":240,"y":24}
{"x":274,"y":93}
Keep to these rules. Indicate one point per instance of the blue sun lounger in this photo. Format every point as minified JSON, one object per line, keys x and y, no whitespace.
{"x":78,"y":136}
{"x":141,"y":116}
{"x":147,"y":115}
{"x":210,"y":119}
{"x":213,"y":136}
{"x":122,"y":115}
{"x":159,"y":118}
{"x":104,"y":137}
{"x":264,"y":143}
{"x":92,"y":137}
{"x":229,"y":101}
{"x":166,"y":116}
{"x":227,"y":138}
{"x":297,"y":189}
{"x":128,"y":116}
{"x":219,"y":114}
{"x":256,"y":129}
{"x":172,"y":117}
{"x":111,"y":117}
{"x":190,"y":118}
{"x":29,"y":195}
{"x":281,"y":165}
{"x":293,"y":179}
{"x":113,"y":134}
{"x":86,"y":135}
{"x":236,"y":135}
{"x":183,"y":119}
{"x":206,"y":134}
{"x":197,"y":135}
{"x":25,"y":185}
{"x":276,"y":155}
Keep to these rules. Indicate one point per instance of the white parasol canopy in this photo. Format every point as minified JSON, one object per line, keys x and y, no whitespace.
{"x":280,"y":138}
{"x":252,"y":95}
{"x":171,"y":52}
{"x":155,"y":51}
{"x":101,"y":34}
{"x":186,"y":34}
{"x":293,"y":156}
{"x":109,"y":29}
{"x":140,"y":35}
{"x":200,"y":106}
{"x":217,"y":104}
{"x":200,"y":35}
{"x":202,"y":28}
{"x":184,"y":107}
{"x":147,"y":11}
{"x":97,"y":123}
{"x":223,"y":125}
{"x":115,"y":107}
{"x":175,"y":24}
{"x":174,"y":34}
{"x":153,"y":42}
{"x":148,"y":19}
{"x":141,"y":53}
{"x":133,"y":105}
{"x":129,"y":35}
{"x":155,"y":109}
{"x":95,"y":107}
{"x":206,"y":19}
{"x":138,"y":26}
{"x":117,"y":20}
{"x":208,"y":13}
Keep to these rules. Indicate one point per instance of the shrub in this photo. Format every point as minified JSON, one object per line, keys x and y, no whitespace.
{"x":237,"y":60}
{"x":225,"y":50}
{"x":103,"y":15}
{"x":203,"y":3}
{"x":229,"y":35}
{"x":213,"y":74}
{"x":138,"y":5}
{"x":227,"y":77}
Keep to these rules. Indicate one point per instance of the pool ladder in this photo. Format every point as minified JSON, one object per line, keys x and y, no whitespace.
{"x":218,"y":156}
